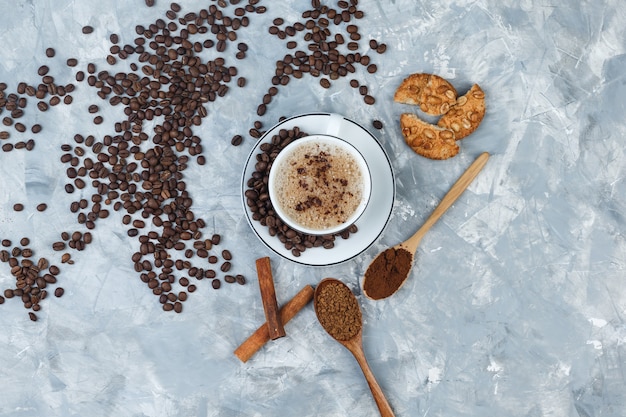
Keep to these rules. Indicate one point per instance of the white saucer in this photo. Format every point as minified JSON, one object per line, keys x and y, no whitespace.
{"x":376,"y":216}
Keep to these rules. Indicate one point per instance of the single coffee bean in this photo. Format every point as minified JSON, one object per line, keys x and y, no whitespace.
{"x":216,"y":284}
{"x":236,"y":140}
{"x":377,"y":124}
{"x":59,"y":291}
{"x":18,"y":207}
{"x":58,"y":246}
{"x":87,"y":29}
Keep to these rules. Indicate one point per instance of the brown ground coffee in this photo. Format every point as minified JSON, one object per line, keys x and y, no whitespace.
{"x":387,"y":272}
{"x":338,"y":310}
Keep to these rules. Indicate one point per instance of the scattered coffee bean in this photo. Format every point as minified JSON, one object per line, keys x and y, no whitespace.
{"x":377,"y":124}
{"x":236,"y":140}
{"x":87,"y":29}
{"x":50,"y":52}
{"x":18,"y":207}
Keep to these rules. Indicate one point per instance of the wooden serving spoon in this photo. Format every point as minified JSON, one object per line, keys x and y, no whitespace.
{"x":390,"y":269}
{"x":355,"y":342}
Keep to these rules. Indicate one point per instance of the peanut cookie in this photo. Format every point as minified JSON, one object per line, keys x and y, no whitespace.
{"x":465,"y":116}
{"x":433,"y":94}
{"x":428,"y":140}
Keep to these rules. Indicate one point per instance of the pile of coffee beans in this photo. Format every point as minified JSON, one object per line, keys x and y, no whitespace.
{"x":140,"y":172}
{"x":332,"y":50}
{"x":32,"y":279}
{"x":258,"y":201}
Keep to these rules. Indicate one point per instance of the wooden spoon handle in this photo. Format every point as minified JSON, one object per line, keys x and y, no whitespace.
{"x":457,"y":189}
{"x":383,"y":405}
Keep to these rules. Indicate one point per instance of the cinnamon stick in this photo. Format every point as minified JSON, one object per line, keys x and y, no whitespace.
{"x":261,"y":336}
{"x":268,"y":296}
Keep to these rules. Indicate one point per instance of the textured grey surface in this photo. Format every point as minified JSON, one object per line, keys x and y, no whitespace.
{"x":517,"y":301}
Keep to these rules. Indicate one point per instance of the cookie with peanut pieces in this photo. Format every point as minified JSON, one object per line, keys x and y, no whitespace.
{"x":428,"y":140}
{"x":434,"y":95}
{"x":466,"y":114}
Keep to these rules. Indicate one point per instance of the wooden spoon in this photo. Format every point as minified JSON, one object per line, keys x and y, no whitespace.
{"x":390,"y":269}
{"x":331,"y":318}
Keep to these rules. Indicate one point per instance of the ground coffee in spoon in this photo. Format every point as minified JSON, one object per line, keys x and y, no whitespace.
{"x":386,"y":273}
{"x":338,"y":311}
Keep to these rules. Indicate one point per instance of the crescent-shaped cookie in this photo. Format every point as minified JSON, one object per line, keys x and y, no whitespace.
{"x":466,"y":114}
{"x":433,"y":94}
{"x":428,"y":140}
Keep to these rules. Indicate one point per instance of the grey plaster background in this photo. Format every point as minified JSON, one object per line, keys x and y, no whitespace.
{"x":516,"y":305}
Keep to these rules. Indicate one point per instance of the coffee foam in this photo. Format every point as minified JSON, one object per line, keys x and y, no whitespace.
{"x":319,"y":185}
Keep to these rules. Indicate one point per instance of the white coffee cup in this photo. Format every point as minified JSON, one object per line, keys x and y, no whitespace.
{"x":319,"y":184}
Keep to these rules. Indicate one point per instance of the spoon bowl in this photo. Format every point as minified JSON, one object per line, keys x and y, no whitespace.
{"x":342,"y":320}
{"x":388,"y":272}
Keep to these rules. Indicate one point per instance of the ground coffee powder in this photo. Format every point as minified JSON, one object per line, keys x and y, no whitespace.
{"x":338,"y":310}
{"x":387,"y":272}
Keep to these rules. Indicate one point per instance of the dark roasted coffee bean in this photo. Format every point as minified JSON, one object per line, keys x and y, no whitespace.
{"x":377,"y":124}
{"x":18,"y":207}
{"x":236,"y":140}
{"x":87,"y":29}
{"x":59,"y":291}
{"x":58,"y":246}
